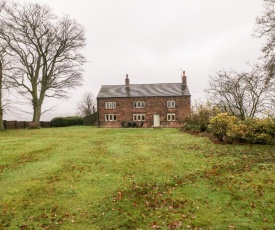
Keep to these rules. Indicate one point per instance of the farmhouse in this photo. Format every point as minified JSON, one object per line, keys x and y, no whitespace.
{"x":143,"y":105}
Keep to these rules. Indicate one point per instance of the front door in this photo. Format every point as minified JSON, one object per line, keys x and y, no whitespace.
{"x":156,"y":120}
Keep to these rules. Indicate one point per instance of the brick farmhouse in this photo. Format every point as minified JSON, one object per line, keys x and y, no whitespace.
{"x":143,"y":105}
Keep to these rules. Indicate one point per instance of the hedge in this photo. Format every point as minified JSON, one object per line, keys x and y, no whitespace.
{"x":66,"y":121}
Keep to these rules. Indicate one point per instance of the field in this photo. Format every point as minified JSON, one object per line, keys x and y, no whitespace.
{"x":90,"y":178}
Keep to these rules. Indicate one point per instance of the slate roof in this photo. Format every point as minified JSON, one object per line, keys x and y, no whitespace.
{"x":144,"y":90}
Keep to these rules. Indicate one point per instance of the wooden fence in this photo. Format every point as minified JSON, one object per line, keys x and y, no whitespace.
{"x":24,"y":124}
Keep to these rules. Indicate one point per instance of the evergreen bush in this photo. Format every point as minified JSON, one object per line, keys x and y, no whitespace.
{"x":66,"y":121}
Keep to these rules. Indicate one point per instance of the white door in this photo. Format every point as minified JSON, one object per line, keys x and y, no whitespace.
{"x":156,"y":120}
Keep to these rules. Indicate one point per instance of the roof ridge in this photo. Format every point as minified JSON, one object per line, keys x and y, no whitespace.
{"x":147,"y":84}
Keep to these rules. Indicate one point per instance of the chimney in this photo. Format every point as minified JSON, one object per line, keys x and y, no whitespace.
{"x":127,"y":83}
{"x":183,"y":79}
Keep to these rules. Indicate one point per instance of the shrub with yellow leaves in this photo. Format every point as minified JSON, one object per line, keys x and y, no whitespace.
{"x":228,"y":128}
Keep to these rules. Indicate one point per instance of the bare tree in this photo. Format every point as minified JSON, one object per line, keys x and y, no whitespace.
{"x":244,"y":94}
{"x":7,"y":106}
{"x":1,"y":93}
{"x":247,"y":94}
{"x":266,"y":28}
{"x":44,"y":50}
{"x":2,"y":4}
{"x":87,"y":105}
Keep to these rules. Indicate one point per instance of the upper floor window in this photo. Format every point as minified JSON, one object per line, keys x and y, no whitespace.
{"x":110,"y":117}
{"x":110,"y":105}
{"x":139,"y":104}
{"x":171,"y":104}
{"x":171,"y":116}
{"x":138,"y":117}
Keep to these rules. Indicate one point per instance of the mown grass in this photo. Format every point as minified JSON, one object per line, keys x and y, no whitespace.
{"x":90,"y":178}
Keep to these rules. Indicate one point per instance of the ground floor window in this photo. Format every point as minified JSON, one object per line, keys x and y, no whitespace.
{"x":110,"y":117}
{"x":171,"y":116}
{"x":138,"y":117}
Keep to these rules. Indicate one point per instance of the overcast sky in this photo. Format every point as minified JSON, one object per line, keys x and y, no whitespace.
{"x":154,"y":40}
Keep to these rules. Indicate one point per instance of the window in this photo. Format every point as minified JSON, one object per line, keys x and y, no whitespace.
{"x":171,"y":116}
{"x":138,"y":117}
{"x":110,"y":117}
{"x":110,"y":105}
{"x":139,"y":104}
{"x":171,"y":104}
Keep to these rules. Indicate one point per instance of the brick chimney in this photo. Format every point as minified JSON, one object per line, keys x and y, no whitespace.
{"x":183,"y":79}
{"x":127,"y":83}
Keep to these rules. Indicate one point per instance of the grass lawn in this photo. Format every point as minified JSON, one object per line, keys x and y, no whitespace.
{"x":90,"y":178}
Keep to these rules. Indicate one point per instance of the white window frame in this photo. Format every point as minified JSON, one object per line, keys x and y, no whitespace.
{"x":139,"y":104}
{"x":110,"y":117}
{"x":110,"y":105}
{"x":171,"y":116}
{"x":171,"y":104}
{"x":138,"y":117}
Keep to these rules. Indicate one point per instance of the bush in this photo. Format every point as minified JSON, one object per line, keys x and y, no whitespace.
{"x":66,"y":121}
{"x":260,"y":131}
{"x":198,"y":119}
{"x":222,"y":126}
{"x":228,"y":128}
{"x":90,"y":120}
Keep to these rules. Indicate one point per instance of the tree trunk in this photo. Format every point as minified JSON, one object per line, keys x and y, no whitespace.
{"x":36,"y":113}
{"x":1,"y":106}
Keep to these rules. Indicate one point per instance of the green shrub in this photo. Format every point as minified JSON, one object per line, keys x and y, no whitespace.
{"x":90,"y":120}
{"x":66,"y":121}
{"x":198,"y":119}
{"x":260,"y":131}
{"x":191,"y":122}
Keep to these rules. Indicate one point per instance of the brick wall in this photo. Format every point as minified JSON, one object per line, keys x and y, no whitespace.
{"x":153,"y":105}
